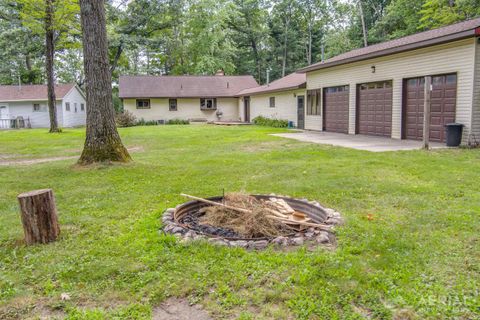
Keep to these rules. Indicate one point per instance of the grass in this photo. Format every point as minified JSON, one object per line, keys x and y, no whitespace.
{"x":419,"y":258}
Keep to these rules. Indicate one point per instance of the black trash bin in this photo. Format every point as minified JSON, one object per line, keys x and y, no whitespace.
{"x":454,"y":134}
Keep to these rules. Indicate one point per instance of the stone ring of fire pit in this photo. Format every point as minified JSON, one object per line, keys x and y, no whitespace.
{"x":181,"y":223}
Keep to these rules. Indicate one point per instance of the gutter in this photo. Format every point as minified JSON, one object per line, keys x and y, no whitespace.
{"x":302,"y":86}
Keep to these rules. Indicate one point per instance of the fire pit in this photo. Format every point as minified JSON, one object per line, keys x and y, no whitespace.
{"x":186,"y":222}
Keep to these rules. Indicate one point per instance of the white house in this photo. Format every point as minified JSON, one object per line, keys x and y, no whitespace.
{"x":29,"y":102}
{"x":283,"y":99}
{"x":214,"y":98}
{"x":194,"y":98}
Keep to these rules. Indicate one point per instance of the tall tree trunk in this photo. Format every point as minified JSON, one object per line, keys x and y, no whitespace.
{"x":103,"y":142}
{"x":285,"y":45}
{"x":364,"y":27}
{"x":309,"y":53}
{"x":49,"y":57}
{"x":256,"y":57}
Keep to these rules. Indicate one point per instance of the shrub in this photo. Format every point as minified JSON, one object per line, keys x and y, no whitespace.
{"x":276,"y":123}
{"x":125,"y":119}
{"x":178,"y":121}
{"x":151,"y":123}
{"x":143,"y":122}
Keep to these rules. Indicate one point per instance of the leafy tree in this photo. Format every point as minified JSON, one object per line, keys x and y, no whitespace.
{"x":21,"y":57}
{"x":55,"y":19}
{"x":249,"y":33}
{"x":402,"y":18}
{"x":437,"y":13}
{"x":314,"y":20}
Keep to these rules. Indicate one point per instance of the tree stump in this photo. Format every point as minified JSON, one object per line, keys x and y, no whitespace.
{"x":39,"y":216}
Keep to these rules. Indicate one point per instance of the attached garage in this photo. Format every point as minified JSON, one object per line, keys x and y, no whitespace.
{"x":335,"y":109}
{"x":443,"y":106}
{"x":386,"y":86}
{"x":374,"y":109}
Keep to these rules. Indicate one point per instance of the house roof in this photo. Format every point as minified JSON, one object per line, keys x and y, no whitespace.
{"x":458,"y":31}
{"x":183,"y":86}
{"x":292,"y":81}
{"x":32,"y":92}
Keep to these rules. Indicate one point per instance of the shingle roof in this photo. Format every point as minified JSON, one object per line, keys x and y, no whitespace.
{"x":449,"y":33}
{"x":292,"y":81}
{"x":183,"y":86}
{"x":32,"y":92}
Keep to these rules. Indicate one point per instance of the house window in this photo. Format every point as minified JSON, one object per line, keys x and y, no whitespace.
{"x":75,"y":106}
{"x":82,"y":107}
{"x":37,"y":107}
{"x":208,"y":104}
{"x":272,"y":102}
{"x":67,"y":106}
{"x":143,"y":103}
{"x":172,"y":104}
{"x":314,"y":99}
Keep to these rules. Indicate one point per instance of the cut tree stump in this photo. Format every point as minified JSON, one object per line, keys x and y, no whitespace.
{"x":39,"y":216}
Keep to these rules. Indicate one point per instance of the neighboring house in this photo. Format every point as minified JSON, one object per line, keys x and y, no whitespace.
{"x":200,"y":98}
{"x":282,"y":99}
{"x":30,"y":103}
{"x":379,"y":90}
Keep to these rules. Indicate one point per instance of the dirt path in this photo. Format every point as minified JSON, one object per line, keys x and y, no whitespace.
{"x":179,"y":309}
{"x":6,"y":160}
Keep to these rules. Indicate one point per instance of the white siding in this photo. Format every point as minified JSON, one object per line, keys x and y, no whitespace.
{"x":447,"y":58}
{"x":476,"y":96}
{"x":285,"y":105}
{"x":38,"y":119}
{"x":72,"y":118}
{"x":187,"y":108}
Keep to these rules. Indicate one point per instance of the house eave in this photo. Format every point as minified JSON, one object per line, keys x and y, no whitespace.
{"x":409,"y":47}
{"x":176,"y":97}
{"x":27,"y":100}
{"x":302,"y":86}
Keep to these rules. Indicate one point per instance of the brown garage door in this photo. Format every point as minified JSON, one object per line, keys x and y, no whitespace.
{"x":335,"y":109}
{"x":444,"y":96}
{"x":374,"y":108}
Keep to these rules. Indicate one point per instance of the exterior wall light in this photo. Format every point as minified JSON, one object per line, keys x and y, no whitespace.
{"x":374,"y":69}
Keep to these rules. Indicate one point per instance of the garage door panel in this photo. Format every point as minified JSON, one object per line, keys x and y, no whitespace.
{"x":450,"y":107}
{"x":437,"y":95}
{"x":442,"y":109}
{"x":375,"y":108}
{"x":336,"y":109}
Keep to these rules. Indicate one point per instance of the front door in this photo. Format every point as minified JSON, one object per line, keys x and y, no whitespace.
{"x":301,"y":112}
{"x":246,"y":107}
{"x":3,"y":112}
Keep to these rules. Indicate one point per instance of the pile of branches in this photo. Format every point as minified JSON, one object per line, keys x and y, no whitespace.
{"x":253,"y":222}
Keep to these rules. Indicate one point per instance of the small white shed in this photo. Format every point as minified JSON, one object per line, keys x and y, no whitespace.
{"x":29,"y":102}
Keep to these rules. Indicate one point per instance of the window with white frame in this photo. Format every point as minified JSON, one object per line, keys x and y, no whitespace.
{"x":37,"y":107}
{"x":143,"y":103}
{"x":67,"y":106}
{"x":172,"y":104}
{"x":272,"y":102}
{"x":208,"y":103}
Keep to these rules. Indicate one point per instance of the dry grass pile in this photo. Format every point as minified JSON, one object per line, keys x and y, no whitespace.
{"x":254,"y":224}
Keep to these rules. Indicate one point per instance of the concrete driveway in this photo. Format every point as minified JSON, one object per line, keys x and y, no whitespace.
{"x":360,"y":142}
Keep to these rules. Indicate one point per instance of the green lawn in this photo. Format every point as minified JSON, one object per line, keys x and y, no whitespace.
{"x":419,"y":258}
